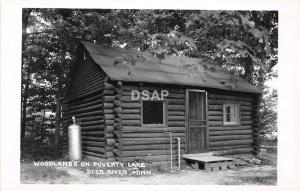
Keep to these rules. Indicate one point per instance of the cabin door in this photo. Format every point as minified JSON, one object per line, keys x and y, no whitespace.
{"x":197,"y":121}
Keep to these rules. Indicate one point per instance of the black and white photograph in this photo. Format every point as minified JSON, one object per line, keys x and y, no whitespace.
{"x":120,"y":95}
{"x":149,"y":96}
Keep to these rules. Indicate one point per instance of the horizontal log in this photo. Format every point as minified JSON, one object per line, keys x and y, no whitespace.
{"x":109,"y":122}
{"x":150,"y":147}
{"x":229,"y":137}
{"x":176,"y":113}
{"x":83,"y":91}
{"x":231,"y":132}
{"x":131,"y":116}
{"x":176,"y":123}
{"x":176,"y":101}
{"x":231,"y":142}
{"x":108,"y":105}
{"x":147,"y":135}
{"x":215,"y":107}
{"x":247,"y":113}
{"x":94,"y":139}
{"x":179,"y":96}
{"x":92,"y":128}
{"x":117,"y":110}
{"x":117,"y":103}
{"x":109,"y":98}
{"x":90,"y":123}
{"x":225,"y":128}
{"x":229,"y":97}
{"x":143,"y":153}
{"x":130,"y":105}
{"x":110,"y":142}
{"x":246,"y":108}
{"x":108,"y":92}
{"x":215,"y":118}
{"x":108,"y":111}
{"x":118,"y":126}
{"x":82,"y":110}
{"x":83,"y":105}
{"x":131,"y":111}
{"x":87,"y":114}
{"x":135,"y":129}
{"x":87,"y":82}
{"x":128,"y":99}
{"x":215,"y":113}
{"x":86,"y":94}
{"x":131,"y":122}
{"x":250,"y":122}
{"x":145,"y":141}
{"x":176,"y":118}
{"x":83,"y":119}
{"x":118,"y":96}
{"x":118,"y":120}
{"x":221,"y":102}
{"x":109,"y":116}
{"x":109,"y":135}
{"x":246,"y":118}
{"x":109,"y":129}
{"x":88,"y":99}
{"x":215,"y":123}
{"x":110,"y":148}
{"x":93,"y":133}
{"x":94,"y":149}
{"x":93,"y":144}
{"x":176,"y":108}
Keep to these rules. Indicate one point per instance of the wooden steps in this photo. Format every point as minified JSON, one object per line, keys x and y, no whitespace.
{"x":206,"y":161}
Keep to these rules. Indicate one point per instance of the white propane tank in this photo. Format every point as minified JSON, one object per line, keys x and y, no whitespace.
{"x":74,"y":133}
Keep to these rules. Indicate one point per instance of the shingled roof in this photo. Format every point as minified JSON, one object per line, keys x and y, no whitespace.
{"x":172,"y":70}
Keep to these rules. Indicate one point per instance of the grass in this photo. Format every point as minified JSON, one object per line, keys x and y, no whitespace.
{"x":29,"y":173}
{"x":261,"y":180}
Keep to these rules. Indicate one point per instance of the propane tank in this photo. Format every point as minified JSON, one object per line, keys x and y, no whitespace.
{"x":74,"y":133}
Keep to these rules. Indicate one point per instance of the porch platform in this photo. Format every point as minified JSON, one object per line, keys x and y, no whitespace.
{"x":206,"y":161}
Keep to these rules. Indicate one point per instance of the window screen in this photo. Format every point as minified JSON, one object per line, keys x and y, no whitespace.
{"x":153,"y":112}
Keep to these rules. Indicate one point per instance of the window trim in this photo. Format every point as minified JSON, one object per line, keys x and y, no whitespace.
{"x":165,"y":114}
{"x":238,"y":121}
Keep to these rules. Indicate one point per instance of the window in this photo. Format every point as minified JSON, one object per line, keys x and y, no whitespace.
{"x":231,"y":114}
{"x":153,"y":112}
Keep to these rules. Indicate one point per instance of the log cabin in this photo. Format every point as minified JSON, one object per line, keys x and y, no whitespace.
{"x":129,"y":103}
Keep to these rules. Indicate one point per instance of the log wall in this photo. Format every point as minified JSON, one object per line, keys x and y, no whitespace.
{"x":236,"y":138}
{"x":135,"y":141}
{"x":86,"y":101}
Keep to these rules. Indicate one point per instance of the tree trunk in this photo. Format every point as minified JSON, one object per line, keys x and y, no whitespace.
{"x":24,"y":105}
{"x":58,"y":109}
{"x":42,"y":130}
{"x":25,"y":16}
{"x":248,"y":66}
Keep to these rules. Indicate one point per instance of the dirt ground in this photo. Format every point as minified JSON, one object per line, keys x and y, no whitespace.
{"x":263,"y":174}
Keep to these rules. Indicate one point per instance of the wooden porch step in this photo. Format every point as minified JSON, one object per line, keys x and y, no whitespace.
{"x":206,"y":161}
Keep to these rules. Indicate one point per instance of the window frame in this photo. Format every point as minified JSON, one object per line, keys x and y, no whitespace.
{"x":238,"y":114}
{"x":165,"y":114}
